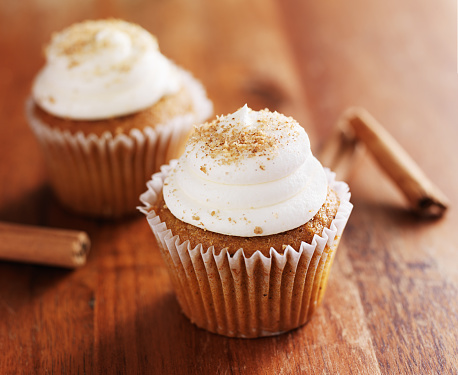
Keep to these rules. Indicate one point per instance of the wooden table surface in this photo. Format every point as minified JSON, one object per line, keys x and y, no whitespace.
{"x":391,"y":305}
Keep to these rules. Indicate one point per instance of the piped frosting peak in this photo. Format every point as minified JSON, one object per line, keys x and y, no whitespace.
{"x":249,"y":173}
{"x":101,"y":69}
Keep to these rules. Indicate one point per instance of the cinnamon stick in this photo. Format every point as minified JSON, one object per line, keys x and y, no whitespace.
{"x":48,"y":246}
{"x":423,"y":196}
{"x":340,"y":152}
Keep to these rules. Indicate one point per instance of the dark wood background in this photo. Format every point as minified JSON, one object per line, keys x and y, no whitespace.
{"x":392,"y":301}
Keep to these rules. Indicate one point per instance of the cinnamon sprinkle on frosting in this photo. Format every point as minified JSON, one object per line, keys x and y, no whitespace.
{"x":232,"y":142}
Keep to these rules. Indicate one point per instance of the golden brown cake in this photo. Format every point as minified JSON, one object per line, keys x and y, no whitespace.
{"x":248,"y":223}
{"x":169,"y":106}
{"x":279,"y":241}
{"x":109,"y":109}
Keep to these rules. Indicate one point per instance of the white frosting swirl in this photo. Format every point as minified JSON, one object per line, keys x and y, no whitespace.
{"x":101,"y":69}
{"x":247,"y":174}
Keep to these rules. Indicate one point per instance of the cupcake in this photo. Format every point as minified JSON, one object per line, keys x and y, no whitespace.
{"x":248,"y":223}
{"x":109,"y":109}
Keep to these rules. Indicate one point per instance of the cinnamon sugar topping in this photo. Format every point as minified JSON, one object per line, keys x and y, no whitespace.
{"x":87,"y":38}
{"x":234,"y":140}
{"x":258,"y":230}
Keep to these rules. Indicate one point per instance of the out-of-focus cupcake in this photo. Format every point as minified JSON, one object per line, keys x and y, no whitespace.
{"x":248,"y":223}
{"x":109,"y":109}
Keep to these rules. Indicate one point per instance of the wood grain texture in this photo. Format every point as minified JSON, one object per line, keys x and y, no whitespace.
{"x":391,"y":305}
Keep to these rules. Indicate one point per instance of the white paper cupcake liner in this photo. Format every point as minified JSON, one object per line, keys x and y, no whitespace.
{"x":103,"y":175}
{"x":247,"y":296}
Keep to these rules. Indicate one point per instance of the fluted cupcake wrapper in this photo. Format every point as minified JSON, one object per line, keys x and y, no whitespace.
{"x":104,"y":175}
{"x":242,"y":296}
